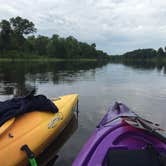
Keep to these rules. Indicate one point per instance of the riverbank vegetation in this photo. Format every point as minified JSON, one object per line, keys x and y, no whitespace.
{"x":149,"y":54}
{"x":16,"y":42}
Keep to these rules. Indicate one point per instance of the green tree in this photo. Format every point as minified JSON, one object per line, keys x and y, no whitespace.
{"x":57,"y":47}
{"x":160,"y":52}
{"x":5,"y":34}
{"x":41,"y":43}
{"x":30,"y":44}
{"x":15,"y":39}
{"x":93,"y":45}
{"x":72,"y":47}
{"x":52,"y":45}
{"x":22,"y":26}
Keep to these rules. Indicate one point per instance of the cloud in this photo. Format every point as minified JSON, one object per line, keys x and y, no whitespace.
{"x":115,"y":26}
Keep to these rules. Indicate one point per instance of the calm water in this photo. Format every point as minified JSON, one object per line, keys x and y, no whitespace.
{"x":141,"y":86}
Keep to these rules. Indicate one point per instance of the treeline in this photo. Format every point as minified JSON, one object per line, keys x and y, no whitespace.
{"x":15,"y":41}
{"x":142,"y":54}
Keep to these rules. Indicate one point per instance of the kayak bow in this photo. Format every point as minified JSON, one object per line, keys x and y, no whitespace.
{"x":36,"y":130}
{"x":122,"y":138}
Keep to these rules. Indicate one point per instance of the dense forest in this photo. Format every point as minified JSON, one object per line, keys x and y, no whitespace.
{"x":17,"y":39}
{"x":142,"y":54}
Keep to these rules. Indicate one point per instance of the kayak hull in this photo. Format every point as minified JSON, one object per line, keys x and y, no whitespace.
{"x":35,"y":129}
{"x":113,"y":132}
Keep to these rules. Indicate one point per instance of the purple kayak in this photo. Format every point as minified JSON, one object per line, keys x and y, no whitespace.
{"x":123,"y":138}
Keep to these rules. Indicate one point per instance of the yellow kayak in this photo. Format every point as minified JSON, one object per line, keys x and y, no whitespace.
{"x":35,"y":129}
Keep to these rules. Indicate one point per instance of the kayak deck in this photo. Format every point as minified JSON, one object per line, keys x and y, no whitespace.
{"x":35,"y":129}
{"x":114,"y":133}
{"x":123,"y":137}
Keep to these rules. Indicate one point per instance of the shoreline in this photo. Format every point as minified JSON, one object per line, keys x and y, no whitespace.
{"x":48,"y":60}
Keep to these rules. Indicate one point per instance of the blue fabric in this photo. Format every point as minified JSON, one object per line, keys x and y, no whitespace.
{"x":20,"y":105}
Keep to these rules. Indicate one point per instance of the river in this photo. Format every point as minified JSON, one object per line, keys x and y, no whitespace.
{"x":142,"y":87}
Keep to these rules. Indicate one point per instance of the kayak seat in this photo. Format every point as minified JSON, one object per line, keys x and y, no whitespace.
{"x":143,"y":157}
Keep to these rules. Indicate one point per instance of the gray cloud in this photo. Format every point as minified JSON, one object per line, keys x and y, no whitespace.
{"x":115,"y":26}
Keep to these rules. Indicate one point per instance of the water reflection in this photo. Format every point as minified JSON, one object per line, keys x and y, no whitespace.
{"x":146,"y":65}
{"x":142,"y":87}
{"x":17,"y":78}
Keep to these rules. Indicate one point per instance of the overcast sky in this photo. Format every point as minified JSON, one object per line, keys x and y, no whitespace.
{"x":116,"y":26}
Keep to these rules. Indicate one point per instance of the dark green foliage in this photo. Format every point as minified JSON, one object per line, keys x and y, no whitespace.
{"x":141,"y":54}
{"x":5,"y":35}
{"x":160,"y":52}
{"x":30,"y":44}
{"x":14,"y":43}
{"x":5,"y":28}
{"x":22,"y":26}
{"x":12,"y":33}
{"x":40,"y":45}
